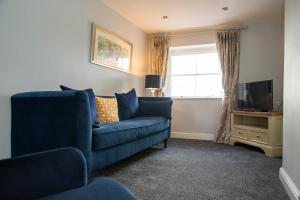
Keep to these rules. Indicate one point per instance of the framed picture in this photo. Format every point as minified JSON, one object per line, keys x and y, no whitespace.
{"x":110,"y":50}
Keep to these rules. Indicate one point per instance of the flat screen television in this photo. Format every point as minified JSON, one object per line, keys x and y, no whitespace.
{"x":256,"y":96}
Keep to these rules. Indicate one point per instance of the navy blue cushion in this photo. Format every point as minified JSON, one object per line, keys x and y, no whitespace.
{"x":108,"y":156}
{"x":127,"y":104}
{"x":92,"y":99}
{"x":98,"y":189}
{"x":155,"y":108}
{"x":109,"y":135}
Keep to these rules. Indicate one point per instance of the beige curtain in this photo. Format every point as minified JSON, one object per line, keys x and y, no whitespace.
{"x":228,"y":46}
{"x":159,"y":50}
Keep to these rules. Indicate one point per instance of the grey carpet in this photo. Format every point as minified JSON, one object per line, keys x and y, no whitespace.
{"x":192,"y":170}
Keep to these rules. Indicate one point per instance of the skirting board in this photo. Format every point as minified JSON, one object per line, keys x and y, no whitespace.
{"x":289,"y":185}
{"x":193,"y":136}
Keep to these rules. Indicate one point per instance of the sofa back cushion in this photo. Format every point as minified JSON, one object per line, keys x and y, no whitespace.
{"x":107,"y":110}
{"x":127,"y":104}
{"x":155,"y":108}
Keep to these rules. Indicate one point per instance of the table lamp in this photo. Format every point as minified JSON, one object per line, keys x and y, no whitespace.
{"x":153,"y":83}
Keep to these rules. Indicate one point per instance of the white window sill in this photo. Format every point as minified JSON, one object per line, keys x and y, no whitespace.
{"x":184,"y":98}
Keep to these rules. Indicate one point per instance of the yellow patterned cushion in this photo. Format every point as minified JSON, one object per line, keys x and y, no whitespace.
{"x":107,"y":110}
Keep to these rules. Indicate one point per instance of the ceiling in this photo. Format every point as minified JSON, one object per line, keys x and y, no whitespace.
{"x":186,"y":14}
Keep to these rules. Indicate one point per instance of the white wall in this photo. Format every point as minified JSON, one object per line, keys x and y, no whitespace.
{"x":261,"y":59}
{"x":46,"y":43}
{"x":193,"y":38}
{"x":291,"y":134}
{"x":195,"y":115}
{"x":262,"y":55}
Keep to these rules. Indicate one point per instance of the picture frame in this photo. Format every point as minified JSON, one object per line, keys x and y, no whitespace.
{"x":110,"y":50}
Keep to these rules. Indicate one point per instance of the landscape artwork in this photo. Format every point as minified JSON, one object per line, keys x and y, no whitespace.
{"x":110,"y":50}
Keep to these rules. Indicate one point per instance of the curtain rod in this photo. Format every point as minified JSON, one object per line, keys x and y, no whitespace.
{"x":193,"y":31}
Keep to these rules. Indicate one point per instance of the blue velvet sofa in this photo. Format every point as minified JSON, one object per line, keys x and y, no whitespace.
{"x":48,"y":120}
{"x":55,"y":175}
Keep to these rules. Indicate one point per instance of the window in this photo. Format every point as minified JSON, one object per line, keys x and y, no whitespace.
{"x":195,"y":72}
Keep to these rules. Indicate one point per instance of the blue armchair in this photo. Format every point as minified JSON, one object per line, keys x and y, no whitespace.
{"x":55,"y":174}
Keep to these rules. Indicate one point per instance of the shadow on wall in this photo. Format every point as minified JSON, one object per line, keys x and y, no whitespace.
{"x":120,"y":85}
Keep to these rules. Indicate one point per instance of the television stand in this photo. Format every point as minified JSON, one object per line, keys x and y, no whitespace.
{"x":259,"y":129}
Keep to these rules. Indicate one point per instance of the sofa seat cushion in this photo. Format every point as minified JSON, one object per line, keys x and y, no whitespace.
{"x":98,"y":189}
{"x":109,"y":135}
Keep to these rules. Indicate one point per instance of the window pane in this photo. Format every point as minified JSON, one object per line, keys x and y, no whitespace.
{"x":209,"y":85}
{"x":183,"y":86}
{"x":183,"y":64}
{"x":195,"y":71}
{"x":208,"y":63}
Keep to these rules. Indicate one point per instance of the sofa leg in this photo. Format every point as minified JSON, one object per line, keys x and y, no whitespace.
{"x":165,"y":143}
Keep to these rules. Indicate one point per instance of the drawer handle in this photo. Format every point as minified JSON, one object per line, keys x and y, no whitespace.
{"x":258,"y":131}
{"x":240,"y":133}
{"x":258,"y":136}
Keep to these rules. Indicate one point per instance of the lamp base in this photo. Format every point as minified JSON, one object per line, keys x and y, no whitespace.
{"x":155,"y":92}
{"x":152,"y":92}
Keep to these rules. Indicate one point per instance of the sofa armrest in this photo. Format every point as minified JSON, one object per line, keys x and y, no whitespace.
{"x":41,"y":174}
{"x":49,"y":120}
{"x":155,"y":106}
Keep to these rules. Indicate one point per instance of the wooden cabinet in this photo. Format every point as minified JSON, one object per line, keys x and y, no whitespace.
{"x":260,"y":129}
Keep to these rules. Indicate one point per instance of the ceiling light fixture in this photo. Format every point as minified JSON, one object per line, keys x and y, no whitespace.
{"x":165,"y":17}
{"x":225,"y":8}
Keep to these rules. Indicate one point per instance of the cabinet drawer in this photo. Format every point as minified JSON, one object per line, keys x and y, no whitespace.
{"x":258,"y":136}
{"x":239,"y":132}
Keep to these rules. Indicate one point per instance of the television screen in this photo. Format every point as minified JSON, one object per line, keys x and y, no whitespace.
{"x":256,"y":96}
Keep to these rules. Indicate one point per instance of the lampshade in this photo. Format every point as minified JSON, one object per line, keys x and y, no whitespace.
{"x":153,"y":81}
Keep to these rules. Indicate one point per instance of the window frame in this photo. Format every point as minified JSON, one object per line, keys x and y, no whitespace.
{"x":192,"y":50}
